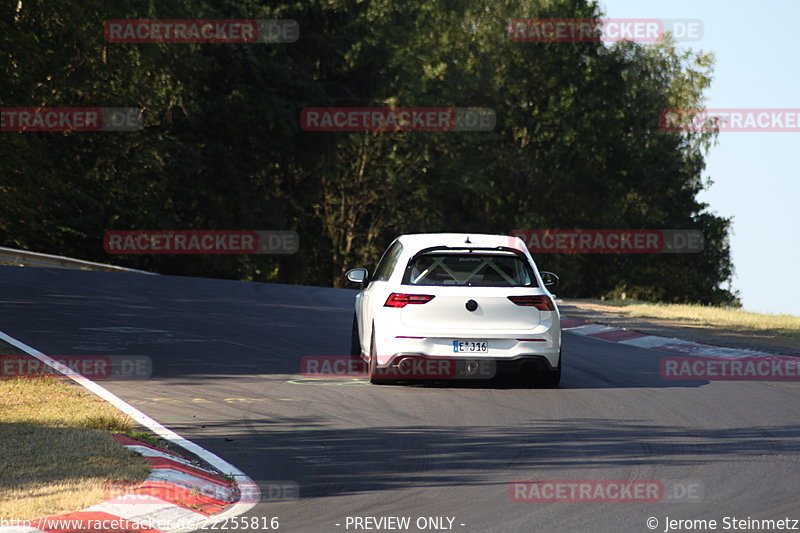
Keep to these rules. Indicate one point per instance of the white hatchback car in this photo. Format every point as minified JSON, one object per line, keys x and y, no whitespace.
{"x":452,"y":305}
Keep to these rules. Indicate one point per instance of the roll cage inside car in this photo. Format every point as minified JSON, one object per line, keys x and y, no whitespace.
{"x":414,"y":276}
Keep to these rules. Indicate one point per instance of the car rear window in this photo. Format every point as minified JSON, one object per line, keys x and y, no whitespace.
{"x":469,"y":269}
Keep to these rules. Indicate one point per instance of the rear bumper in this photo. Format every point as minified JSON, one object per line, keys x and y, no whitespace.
{"x":513,"y":364}
{"x":415,"y":366}
{"x":509,"y":349}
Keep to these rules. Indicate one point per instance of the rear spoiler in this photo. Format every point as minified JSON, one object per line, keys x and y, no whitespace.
{"x":469,"y":249}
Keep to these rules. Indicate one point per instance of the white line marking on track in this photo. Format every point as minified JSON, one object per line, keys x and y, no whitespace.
{"x":250,"y":493}
{"x":150,"y":452}
{"x":589,"y":329}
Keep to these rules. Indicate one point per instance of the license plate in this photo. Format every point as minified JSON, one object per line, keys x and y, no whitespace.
{"x":470,"y":347}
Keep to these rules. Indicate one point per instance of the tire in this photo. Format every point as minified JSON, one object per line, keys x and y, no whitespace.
{"x":536,"y":377}
{"x":552,"y":378}
{"x":373,"y":364}
{"x":355,"y":339}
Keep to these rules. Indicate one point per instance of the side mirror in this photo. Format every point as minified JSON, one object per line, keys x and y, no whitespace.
{"x":549,"y":279}
{"x":358,"y":275}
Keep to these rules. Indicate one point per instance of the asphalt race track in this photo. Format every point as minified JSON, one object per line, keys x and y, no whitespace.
{"x":226,"y":361}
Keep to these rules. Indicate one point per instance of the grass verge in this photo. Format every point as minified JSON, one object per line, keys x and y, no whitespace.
{"x":57,"y":453}
{"x":717,"y":317}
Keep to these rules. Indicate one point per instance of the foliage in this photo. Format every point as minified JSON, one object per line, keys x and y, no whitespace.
{"x":577,"y":142}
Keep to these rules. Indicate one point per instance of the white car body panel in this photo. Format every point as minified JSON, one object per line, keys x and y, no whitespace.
{"x":437,"y":323}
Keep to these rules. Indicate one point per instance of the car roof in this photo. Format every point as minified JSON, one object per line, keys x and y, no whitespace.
{"x":419,"y":241}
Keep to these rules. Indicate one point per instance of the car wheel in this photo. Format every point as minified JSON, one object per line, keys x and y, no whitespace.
{"x":355,"y":340}
{"x":373,"y":364}
{"x":534,"y":376}
{"x":552,"y":378}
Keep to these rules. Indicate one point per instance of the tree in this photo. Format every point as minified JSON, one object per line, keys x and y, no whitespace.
{"x":577,"y":143}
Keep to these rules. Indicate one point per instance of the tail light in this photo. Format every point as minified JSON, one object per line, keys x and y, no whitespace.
{"x":400,"y":300}
{"x":542,"y":303}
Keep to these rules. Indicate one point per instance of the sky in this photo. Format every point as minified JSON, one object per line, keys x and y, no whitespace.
{"x":756,"y":175}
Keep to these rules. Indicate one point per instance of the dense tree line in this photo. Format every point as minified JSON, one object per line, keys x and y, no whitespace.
{"x":577,"y":142}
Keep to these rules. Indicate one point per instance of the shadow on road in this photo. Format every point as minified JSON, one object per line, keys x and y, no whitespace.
{"x":330,"y":462}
